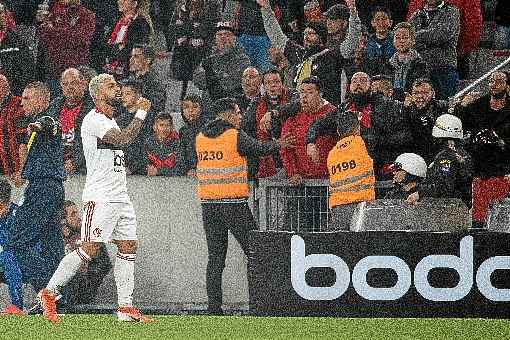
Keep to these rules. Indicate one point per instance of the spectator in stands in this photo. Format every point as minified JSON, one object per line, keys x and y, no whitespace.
{"x":398,"y":9}
{"x":488,"y":120}
{"x":437,"y":27}
{"x":193,"y":27}
{"x":223,"y":69}
{"x":409,"y":169}
{"x":351,"y":172}
{"x":382,"y":85}
{"x":296,"y":163}
{"x":282,"y":64}
{"x":140,"y":62}
{"x":12,"y":129}
{"x":106,"y":16}
{"x":65,"y":36}
{"x":16,"y":61}
{"x":195,"y":119}
{"x":84,"y":286}
{"x":379,"y":45}
{"x":162,"y":148}
{"x":252,"y":35}
{"x":133,"y":27}
{"x":420,"y":112}
{"x":470,"y":29}
{"x":313,"y":58}
{"x":337,"y":23}
{"x":502,"y":37}
{"x":450,"y":174}
{"x":134,"y":155}
{"x":406,"y":65}
{"x":275,"y":95}
{"x":381,"y":124}
{"x":193,"y":32}
{"x":88,"y":73}
{"x":71,"y":108}
{"x":251,"y":84}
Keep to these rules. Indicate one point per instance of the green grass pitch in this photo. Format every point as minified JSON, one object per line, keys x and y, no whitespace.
{"x":93,"y":327}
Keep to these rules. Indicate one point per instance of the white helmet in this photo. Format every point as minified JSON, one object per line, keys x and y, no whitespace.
{"x":411,"y":163}
{"x":447,"y":126}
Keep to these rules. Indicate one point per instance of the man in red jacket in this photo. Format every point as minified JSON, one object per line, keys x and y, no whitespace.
{"x":296,"y":162}
{"x":298,"y":166}
{"x":65,"y":36}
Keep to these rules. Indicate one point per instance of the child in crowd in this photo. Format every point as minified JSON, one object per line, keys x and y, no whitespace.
{"x":162,"y":148}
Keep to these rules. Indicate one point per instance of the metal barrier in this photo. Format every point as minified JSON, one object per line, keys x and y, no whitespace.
{"x":304,"y":208}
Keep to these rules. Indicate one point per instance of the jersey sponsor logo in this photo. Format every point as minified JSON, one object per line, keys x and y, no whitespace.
{"x":445,"y":165}
{"x":118,"y":161}
{"x":468,"y":274}
{"x":97,"y":232}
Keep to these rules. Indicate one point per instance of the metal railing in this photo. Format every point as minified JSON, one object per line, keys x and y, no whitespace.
{"x":304,"y":208}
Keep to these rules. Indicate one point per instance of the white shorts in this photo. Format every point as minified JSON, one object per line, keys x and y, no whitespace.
{"x":107,"y":221}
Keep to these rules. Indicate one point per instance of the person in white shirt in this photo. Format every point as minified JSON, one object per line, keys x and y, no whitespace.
{"x":109,"y":214}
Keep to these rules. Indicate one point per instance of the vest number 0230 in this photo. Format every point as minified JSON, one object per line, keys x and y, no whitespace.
{"x":343,"y":166}
{"x":210,"y":155}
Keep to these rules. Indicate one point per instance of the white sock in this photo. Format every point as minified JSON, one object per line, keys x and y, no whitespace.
{"x":124,"y":273}
{"x":67,"y":268}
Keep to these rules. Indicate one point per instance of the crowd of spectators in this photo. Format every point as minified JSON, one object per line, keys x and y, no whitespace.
{"x":291,"y":65}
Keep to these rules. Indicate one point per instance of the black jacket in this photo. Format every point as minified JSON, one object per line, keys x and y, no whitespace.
{"x":449,"y":176}
{"x":327,"y":65}
{"x":489,"y":141}
{"x":16,"y":62}
{"x":420,"y":124}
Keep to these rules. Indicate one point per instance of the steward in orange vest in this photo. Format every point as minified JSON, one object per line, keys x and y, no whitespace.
{"x":222,"y":174}
{"x":351,"y":172}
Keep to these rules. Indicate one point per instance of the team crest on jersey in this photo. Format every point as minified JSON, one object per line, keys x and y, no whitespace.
{"x":97,"y":232}
{"x":445,"y":165}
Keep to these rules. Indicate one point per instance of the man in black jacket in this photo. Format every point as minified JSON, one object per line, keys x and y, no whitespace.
{"x":420,"y":112}
{"x":488,"y":121}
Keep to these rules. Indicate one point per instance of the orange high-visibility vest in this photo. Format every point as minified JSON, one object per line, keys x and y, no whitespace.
{"x":351,"y":172}
{"x":221,"y":171}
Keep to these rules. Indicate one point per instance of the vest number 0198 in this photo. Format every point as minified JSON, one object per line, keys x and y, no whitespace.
{"x":343,"y":166}
{"x":210,"y":155}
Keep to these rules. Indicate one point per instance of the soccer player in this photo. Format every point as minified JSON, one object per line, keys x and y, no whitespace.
{"x":109,"y":214}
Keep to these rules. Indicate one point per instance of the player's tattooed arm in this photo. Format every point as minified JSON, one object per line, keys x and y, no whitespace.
{"x":127,"y":136}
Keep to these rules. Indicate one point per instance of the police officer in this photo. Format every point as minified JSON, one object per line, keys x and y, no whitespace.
{"x":222,"y":173}
{"x":409,"y":169}
{"x":351,"y":172}
{"x":450,"y":174}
